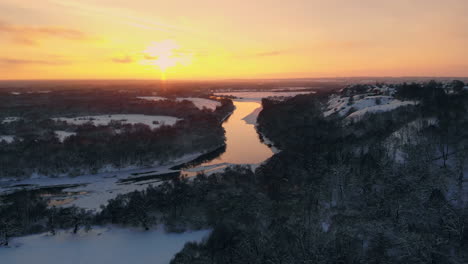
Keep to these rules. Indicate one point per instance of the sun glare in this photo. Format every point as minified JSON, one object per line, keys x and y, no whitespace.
{"x":164,"y":55}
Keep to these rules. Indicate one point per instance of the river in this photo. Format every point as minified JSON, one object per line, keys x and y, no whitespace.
{"x":243,"y":146}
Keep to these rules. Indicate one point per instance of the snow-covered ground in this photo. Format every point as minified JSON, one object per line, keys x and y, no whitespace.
{"x":200,"y":103}
{"x":362,"y":104}
{"x":10,"y":119}
{"x":149,"y":120}
{"x":62,"y":135}
{"x":7,"y":138}
{"x":91,"y":191}
{"x":258,"y":96}
{"x":380,"y":108}
{"x":152,"y":98}
{"x":98,"y":246}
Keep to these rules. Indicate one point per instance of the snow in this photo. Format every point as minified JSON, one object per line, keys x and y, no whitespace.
{"x":62,"y":135}
{"x":10,"y":119}
{"x":258,"y":96}
{"x":252,"y":117}
{"x":380,"y":108}
{"x":7,"y":138}
{"x":91,"y":191}
{"x":101,"y":245}
{"x":363,"y":104}
{"x":152,"y":98}
{"x":201,"y":103}
{"x":123,"y":118}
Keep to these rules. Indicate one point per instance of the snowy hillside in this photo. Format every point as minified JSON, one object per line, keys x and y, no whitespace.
{"x":354,"y":104}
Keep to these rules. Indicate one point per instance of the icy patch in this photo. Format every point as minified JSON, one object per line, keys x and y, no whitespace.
{"x":102,"y":245}
{"x":380,"y":108}
{"x":149,"y":120}
{"x":62,"y":135}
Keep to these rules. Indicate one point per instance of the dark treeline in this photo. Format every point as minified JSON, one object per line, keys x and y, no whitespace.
{"x":334,"y":194}
{"x":37,"y":149}
{"x":25,"y":212}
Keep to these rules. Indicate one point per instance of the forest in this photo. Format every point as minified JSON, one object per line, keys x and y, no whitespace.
{"x":338,"y":192}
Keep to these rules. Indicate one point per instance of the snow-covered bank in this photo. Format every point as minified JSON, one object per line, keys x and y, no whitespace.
{"x":252,"y":117}
{"x":101,"y":245}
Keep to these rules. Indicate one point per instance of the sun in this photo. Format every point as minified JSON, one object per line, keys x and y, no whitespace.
{"x":164,"y":55}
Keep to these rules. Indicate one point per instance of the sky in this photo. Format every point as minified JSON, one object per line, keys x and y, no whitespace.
{"x":229,"y":39}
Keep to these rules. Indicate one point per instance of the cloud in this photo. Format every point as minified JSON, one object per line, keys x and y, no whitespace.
{"x":30,"y":35}
{"x":270,"y":53}
{"x":262,"y":54}
{"x":123,"y":59}
{"x":14,"y":61}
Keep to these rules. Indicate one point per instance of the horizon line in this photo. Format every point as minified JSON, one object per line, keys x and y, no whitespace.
{"x":233,"y":79}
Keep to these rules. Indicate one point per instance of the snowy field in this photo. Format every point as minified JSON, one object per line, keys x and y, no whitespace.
{"x":200,"y":103}
{"x":258,"y":96}
{"x":7,"y":138}
{"x":152,"y":98}
{"x":91,"y":191}
{"x":361,"y":106}
{"x":99,"y":246}
{"x":149,"y":120}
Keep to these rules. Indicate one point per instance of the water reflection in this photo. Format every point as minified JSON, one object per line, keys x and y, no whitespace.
{"x":243,"y":145}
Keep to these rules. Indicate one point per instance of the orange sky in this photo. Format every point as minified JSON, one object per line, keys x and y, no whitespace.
{"x":217,"y":39}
